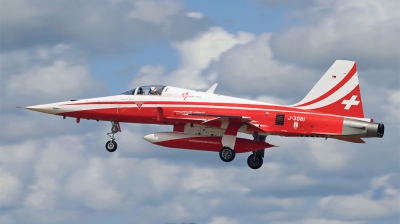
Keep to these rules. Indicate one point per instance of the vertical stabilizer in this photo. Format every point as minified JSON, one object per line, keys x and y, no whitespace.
{"x":337,"y":92}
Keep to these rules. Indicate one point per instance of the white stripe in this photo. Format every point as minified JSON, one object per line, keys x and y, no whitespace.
{"x":113,"y":106}
{"x":339,"y":70}
{"x":334,"y":97}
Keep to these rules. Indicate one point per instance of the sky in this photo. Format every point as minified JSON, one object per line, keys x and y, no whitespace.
{"x":57,"y":171}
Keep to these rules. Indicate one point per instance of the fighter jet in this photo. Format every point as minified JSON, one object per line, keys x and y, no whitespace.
{"x":210,"y":122}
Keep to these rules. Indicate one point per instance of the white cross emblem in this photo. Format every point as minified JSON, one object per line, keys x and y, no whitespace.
{"x":350,"y":102}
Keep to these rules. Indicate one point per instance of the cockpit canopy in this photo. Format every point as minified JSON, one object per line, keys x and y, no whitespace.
{"x":155,"y":90}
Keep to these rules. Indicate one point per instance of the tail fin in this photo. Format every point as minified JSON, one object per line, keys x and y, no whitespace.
{"x":337,"y":92}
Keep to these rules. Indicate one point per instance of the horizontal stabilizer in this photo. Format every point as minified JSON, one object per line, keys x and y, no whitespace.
{"x":348,"y":139}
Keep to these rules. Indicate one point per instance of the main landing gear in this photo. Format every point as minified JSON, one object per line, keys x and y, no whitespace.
{"x":226,"y":154}
{"x":255,"y":161}
{"x":111,"y":145}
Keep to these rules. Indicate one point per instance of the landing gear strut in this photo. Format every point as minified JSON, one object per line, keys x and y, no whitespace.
{"x":227,"y":153}
{"x":255,"y":160}
{"x":111,"y":145}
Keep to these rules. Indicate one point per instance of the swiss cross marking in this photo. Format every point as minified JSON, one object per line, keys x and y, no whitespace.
{"x":350,"y":102}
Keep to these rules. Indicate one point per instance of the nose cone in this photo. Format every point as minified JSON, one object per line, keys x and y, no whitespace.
{"x":150,"y":138}
{"x":44,"y":108}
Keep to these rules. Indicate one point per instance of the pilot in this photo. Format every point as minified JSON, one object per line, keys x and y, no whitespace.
{"x":153,"y":91}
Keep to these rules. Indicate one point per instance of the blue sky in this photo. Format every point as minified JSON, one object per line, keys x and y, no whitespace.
{"x":56,"y":171}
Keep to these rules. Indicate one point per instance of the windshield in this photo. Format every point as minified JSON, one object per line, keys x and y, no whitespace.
{"x":130,"y":92}
{"x":155,"y":90}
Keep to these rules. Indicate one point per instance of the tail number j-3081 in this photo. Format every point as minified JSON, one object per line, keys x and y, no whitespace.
{"x":296,"y":118}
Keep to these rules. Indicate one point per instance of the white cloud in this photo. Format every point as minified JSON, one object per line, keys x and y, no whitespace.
{"x":195,"y":15}
{"x":155,"y":11}
{"x":57,"y":78}
{"x":244,"y":64}
{"x":70,"y":173}
{"x":364,"y":31}
{"x":393,"y":108}
{"x":10,"y":189}
{"x":46,"y":74}
{"x":363,"y":206}
{"x":53,"y":164}
{"x":203,"y":181}
{"x":165,"y":177}
{"x":208,"y":181}
{"x":252,"y":69}
{"x":319,"y":221}
{"x":327,"y":156}
{"x":91,"y":186}
{"x":196,"y":55}
{"x":222,"y":220}
{"x":109,"y":28}
{"x":147,"y":73}
{"x":18,"y":11}
{"x":354,"y":207}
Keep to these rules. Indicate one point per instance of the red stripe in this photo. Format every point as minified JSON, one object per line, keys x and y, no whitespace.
{"x":199,"y":104}
{"x":334,"y":89}
{"x":205,"y":104}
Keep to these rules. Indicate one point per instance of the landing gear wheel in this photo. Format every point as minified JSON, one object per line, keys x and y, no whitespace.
{"x":111,"y":146}
{"x":226,"y":154}
{"x":255,"y":161}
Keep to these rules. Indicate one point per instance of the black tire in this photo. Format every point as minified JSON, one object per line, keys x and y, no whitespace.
{"x":111,"y":146}
{"x":255,"y":162}
{"x":226,"y":154}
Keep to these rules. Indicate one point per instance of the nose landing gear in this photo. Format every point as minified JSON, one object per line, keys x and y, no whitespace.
{"x":111,"y":145}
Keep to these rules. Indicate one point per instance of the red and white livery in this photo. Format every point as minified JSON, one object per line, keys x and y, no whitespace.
{"x":211,"y":122}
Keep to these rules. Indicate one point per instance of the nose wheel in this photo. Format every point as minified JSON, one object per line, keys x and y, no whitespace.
{"x":111,"y":145}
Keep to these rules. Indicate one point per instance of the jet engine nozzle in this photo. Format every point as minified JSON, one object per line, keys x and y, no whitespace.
{"x":381,"y":130}
{"x":375,"y":130}
{"x":363,"y":129}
